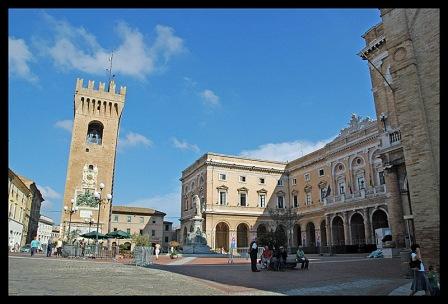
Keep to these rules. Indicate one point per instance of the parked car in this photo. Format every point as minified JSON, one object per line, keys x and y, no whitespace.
{"x":26,"y":248}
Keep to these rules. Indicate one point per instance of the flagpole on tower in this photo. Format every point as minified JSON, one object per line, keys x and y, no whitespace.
{"x":109,"y":70}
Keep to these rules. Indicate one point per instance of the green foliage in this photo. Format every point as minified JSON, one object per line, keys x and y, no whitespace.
{"x":140,"y":240}
{"x":87,"y":199}
{"x":271,"y":239}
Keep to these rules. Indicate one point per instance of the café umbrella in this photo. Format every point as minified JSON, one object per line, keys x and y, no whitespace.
{"x":92,"y":235}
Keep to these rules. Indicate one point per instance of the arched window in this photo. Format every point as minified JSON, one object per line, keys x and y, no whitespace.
{"x":95,"y":133}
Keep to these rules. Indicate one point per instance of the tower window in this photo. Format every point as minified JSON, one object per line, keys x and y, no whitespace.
{"x":95,"y":133}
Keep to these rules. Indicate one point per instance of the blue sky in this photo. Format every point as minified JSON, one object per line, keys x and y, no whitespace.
{"x":262,"y":83}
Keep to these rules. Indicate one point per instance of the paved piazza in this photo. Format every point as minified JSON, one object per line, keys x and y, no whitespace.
{"x":339,"y":275}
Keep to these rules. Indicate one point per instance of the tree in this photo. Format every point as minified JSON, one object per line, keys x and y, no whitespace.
{"x":286,"y":217}
{"x":140,"y":240}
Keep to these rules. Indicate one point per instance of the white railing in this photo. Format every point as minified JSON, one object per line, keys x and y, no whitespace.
{"x":394,"y":137}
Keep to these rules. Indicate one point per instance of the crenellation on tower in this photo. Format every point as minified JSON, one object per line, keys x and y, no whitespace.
{"x":101,"y":92}
{"x":101,"y":86}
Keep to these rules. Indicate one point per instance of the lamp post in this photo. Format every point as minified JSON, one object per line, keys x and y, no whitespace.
{"x":99,"y":199}
{"x":70,"y":211}
{"x":383,"y":118}
{"x":90,"y":222}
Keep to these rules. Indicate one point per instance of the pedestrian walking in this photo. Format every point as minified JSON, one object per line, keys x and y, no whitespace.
{"x":34,"y":246}
{"x":49,"y":248}
{"x":420,"y":281}
{"x":253,"y":251}
{"x":83,"y":247}
{"x":157,"y":251}
{"x":231,"y":251}
{"x":59,"y":247}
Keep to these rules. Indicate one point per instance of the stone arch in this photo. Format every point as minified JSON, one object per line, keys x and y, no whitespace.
{"x":338,"y":230}
{"x":242,"y":235}
{"x":379,"y":219}
{"x":222,"y":236}
{"x":310,"y":234}
{"x":261,"y":230}
{"x":323,"y":233}
{"x":357,"y":229}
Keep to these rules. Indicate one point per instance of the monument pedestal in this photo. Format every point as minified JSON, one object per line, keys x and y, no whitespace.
{"x":196,"y":240}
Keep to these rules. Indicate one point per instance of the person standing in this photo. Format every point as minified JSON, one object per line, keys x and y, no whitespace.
{"x":59,"y":248}
{"x":231,"y":251}
{"x":420,"y":281}
{"x":49,"y":248}
{"x":253,"y":251}
{"x":157,"y":251}
{"x":433,"y":279}
{"x":34,"y":245}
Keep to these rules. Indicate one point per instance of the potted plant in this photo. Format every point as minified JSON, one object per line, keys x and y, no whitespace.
{"x":173,"y":249}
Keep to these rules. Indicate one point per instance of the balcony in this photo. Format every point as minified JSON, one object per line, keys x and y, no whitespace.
{"x":356,"y":196}
{"x":395,"y":137}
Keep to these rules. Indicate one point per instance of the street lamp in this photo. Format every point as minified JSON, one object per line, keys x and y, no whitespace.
{"x":383,"y":118}
{"x":70,"y":211}
{"x":99,"y":199}
{"x":89,"y":221}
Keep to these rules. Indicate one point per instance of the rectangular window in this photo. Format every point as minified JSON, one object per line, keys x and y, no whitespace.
{"x":323,"y":193}
{"x":166,"y":239}
{"x":167,"y":227}
{"x":261,"y":180}
{"x":280,"y":182}
{"x":141,"y":231}
{"x":128,"y":230}
{"x":361,"y":182}
{"x":321,"y":172}
{"x":142,"y":219}
{"x":115,"y":229}
{"x":381,"y":176}
{"x":280,"y":202}
{"x":153,"y":233}
{"x":294,"y":181}
{"x":262,"y":200}
{"x":341,"y":188}
{"x":222,"y":177}
{"x":222,"y":197}
{"x":296,"y":202}
{"x":243,"y":199}
{"x":242,"y":179}
{"x":129,"y":218}
{"x":307,"y":177}
{"x":115,"y":218}
{"x":308,"y":199}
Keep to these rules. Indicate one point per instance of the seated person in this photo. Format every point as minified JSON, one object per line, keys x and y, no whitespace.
{"x":266,"y":257}
{"x":283,"y":257}
{"x":301,"y":258}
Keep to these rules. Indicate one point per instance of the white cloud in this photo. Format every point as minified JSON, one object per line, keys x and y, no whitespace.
{"x":168,"y":203}
{"x":209,"y":97}
{"x":49,"y":195}
{"x":133,"y":139}
{"x":286,"y":151}
{"x":183,"y":145}
{"x":65,"y":124}
{"x":19,"y":58}
{"x":76,"y":48}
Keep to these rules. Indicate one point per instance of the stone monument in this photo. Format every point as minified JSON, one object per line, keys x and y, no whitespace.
{"x":196,"y":240}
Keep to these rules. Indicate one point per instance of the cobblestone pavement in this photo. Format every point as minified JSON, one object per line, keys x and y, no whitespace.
{"x":341,"y":275}
{"x":48,"y":276}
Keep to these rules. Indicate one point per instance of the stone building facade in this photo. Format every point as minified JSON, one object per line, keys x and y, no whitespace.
{"x":24,"y":202}
{"x":97,"y":114}
{"x":403,"y":52}
{"x":44,"y":230}
{"x":339,"y":192}
{"x":143,"y":221}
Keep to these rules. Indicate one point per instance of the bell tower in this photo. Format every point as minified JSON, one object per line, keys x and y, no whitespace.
{"x":97,"y":113}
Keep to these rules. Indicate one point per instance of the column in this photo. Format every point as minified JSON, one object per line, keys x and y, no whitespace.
{"x":394,"y":207}
{"x":317,"y":236}
{"x":347,"y":239}
{"x":367,"y":227}
{"x":329,"y":230}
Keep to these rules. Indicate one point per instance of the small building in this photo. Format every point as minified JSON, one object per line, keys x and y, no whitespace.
{"x":138,"y":220}
{"x":55,"y":232}
{"x":44,"y":230}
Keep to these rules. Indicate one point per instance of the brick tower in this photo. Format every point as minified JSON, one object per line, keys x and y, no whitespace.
{"x":92,"y":156}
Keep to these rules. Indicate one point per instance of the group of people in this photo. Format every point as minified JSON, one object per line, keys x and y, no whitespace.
{"x":275,"y":258}
{"x":35,"y":245}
